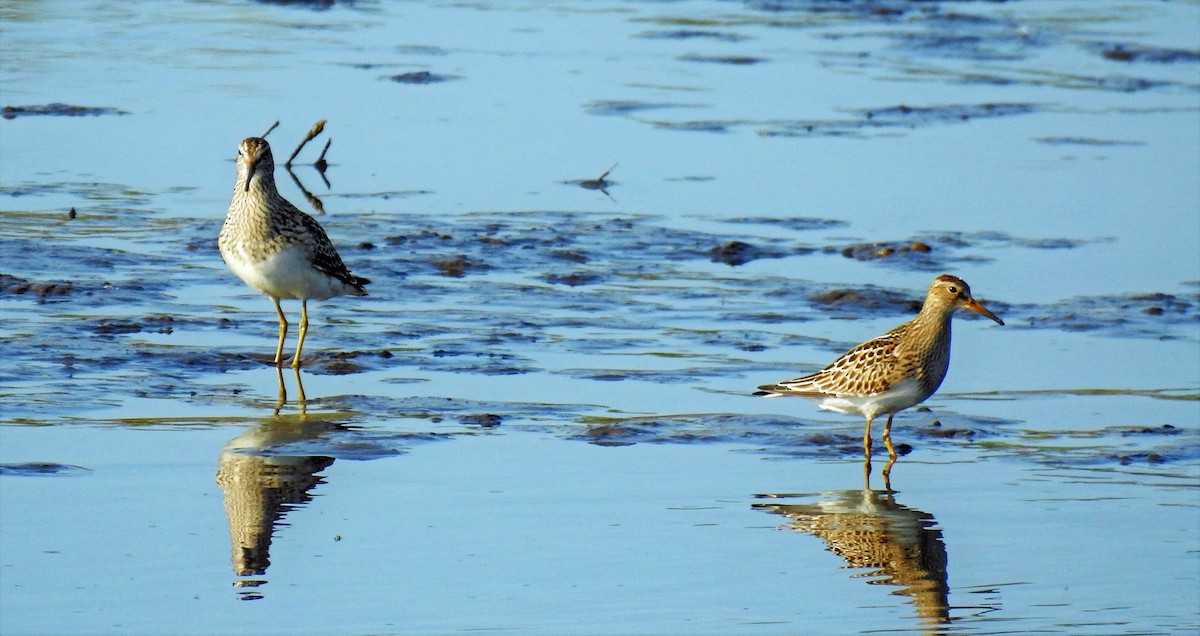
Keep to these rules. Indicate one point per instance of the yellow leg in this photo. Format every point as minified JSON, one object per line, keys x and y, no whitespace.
{"x":887,"y":437}
{"x":282,"y":390}
{"x":303,"y":402}
{"x":283,"y":325}
{"x":887,"y":475}
{"x":303,"y":332}
{"x":867,"y":440}
{"x":300,"y":388}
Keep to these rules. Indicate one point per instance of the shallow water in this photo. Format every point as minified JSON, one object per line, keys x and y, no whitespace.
{"x":539,"y":420}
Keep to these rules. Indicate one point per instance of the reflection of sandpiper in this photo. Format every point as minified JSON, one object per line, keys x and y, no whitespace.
{"x":302,"y":402}
{"x":261,"y":486}
{"x":870,"y":531}
{"x":899,"y":369}
{"x":277,"y":249}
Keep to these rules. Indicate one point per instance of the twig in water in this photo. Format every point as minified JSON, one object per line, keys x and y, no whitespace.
{"x":313,"y":132}
{"x":600,"y":183}
{"x":273,"y":127}
{"x":320,"y":164}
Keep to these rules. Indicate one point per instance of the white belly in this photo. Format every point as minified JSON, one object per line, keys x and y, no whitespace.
{"x":285,"y":274}
{"x":904,"y":394}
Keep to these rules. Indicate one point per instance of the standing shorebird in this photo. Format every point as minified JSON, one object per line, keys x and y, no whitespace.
{"x":899,"y":369}
{"x":277,"y":249}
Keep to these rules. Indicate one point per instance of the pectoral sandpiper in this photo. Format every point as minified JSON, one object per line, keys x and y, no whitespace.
{"x":899,"y":369}
{"x":277,"y":249}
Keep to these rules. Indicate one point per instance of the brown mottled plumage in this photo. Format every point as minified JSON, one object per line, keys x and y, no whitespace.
{"x":899,"y":369}
{"x":277,"y":249}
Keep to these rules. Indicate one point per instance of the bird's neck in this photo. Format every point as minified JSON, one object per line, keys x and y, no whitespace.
{"x":260,"y":190}
{"x":930,"y":324}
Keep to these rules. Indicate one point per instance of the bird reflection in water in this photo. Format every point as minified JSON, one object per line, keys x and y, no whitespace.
{"x":262,"y":483}
{"x":893,"y":544}
{"x":302,"y":402}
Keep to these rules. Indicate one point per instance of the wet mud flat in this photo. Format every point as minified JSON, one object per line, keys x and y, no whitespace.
{"x":586,"y":297}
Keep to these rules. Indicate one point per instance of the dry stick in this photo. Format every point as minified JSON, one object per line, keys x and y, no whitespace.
{"x":601,"y":177}
{"x":599,"y":183}
{"x":313,"y":132}
{"x":273,"y":127}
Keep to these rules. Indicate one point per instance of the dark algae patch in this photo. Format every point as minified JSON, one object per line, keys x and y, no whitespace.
{"x":735,"y":253}
{"x":626,"y":107}
{"x":509,"y":287}
{"x":796,"y":224}
{"x":963,"y":43}
{"x":420,"y":77}
{"x":733,"y":60}
{"x":692,"y":34}
{"x":857,"y":123}
{"x":867,"y":300}
{"x":908,"y":249}
{"x":41,"y":469}
{"x":1135,"y":53}
{"x":913,"y":115}
{"x":1151,"y":315}
{"x":891,"y":119}
{"x":1084,"y":141}
{"x":458,"y":266}
{"x":57,"y":110}
{"x":10,"y":284}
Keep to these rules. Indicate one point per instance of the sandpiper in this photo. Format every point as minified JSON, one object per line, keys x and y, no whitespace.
{"x":277,"y":249}
{"x":899,"y":369}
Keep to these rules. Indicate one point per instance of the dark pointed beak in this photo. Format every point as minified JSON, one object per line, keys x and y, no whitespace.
{"x":974,"y":306}
{"x":250,"y":164}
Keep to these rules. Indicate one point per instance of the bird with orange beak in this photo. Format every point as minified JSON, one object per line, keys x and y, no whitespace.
{"x":895,"y":371}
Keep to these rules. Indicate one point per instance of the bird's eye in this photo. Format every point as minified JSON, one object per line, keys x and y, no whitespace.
{"x":953,"y":289}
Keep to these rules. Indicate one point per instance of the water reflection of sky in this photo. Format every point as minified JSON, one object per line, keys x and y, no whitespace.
{"x":514,"y":124}
{"x":537,"y":94}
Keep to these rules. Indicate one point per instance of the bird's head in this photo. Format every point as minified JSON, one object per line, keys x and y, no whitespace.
{"x":953,"y":293}
{"x":254,"y":159}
